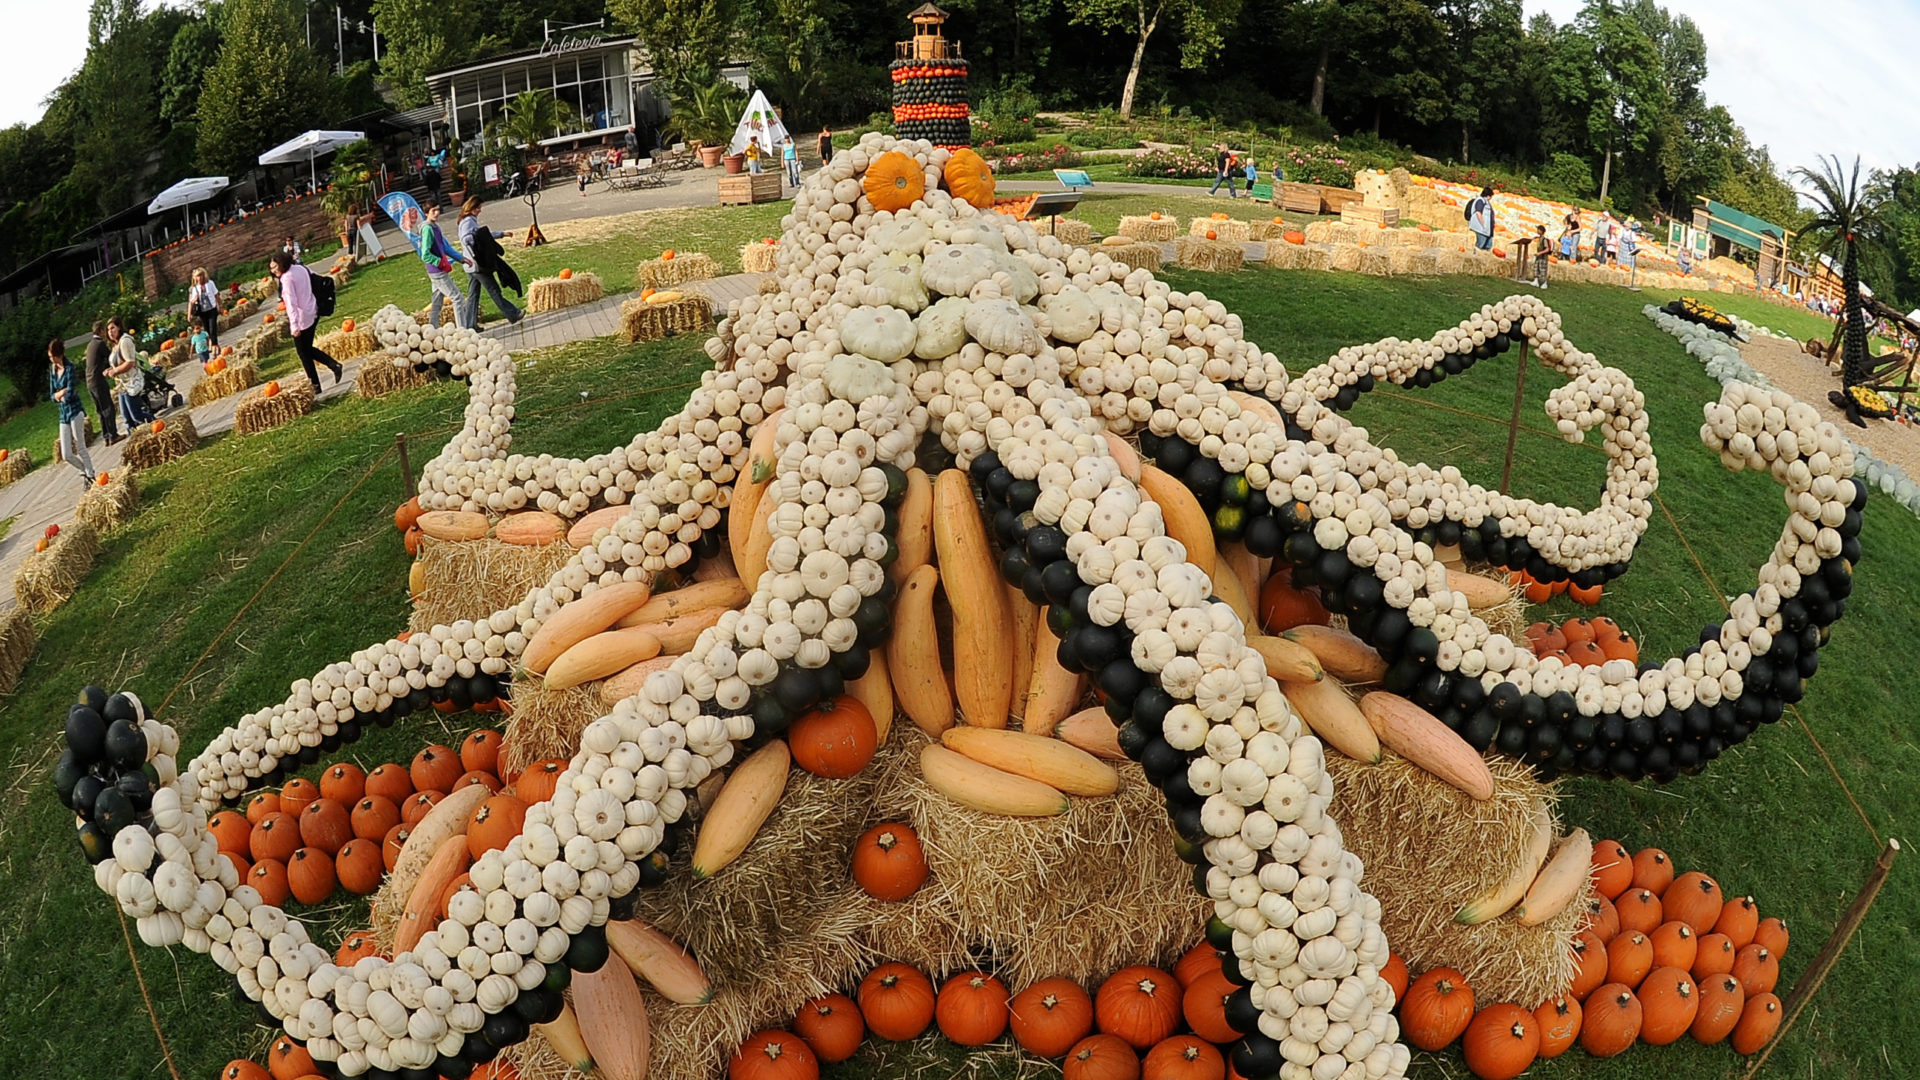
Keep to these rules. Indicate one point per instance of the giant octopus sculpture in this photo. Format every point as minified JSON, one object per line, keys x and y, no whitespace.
{"x":904,"y":318}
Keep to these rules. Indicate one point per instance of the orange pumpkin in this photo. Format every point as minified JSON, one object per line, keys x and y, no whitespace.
{"x":1050,"y":1016}
{"x":484,"y":779}
{"x":972,"y":1008}
{"x":417,"y":806}
{"x":244,"y":1070}
{"x":272,"y":389}
{"x":358,"y":866}
{"x":435,"y":769}
{"x":230,"y":831}
{"x":1739,"y":920}
{"x":667,"y":255}
{"x":1283,"y":607}
{"x":1771,"y":934}
{"x":893,"y":181}
{"x":1639,"y":910}
{"x":481,"y":751}
{"x":1721,"y":999}
{"x":296,"y":794}
{"x":1184,"y":1057}
{"x":1101,"y":1057}
{"x":1295,"y":237}
{"x":1437,"y":1008}
{"x":310,"y":875}
{"x":343,"y":782}
{"x":288,"y":1060}
{"x":278,"y":837}
{"x":354,"y":946}
{"x":773,"y":1055}
{"x":1204,"y":1004}
{"x":1668,"y":1003}
{"x":1396,"y":975}
{"x":407,"y":514}
{"x":1694,"y":899}
{"x":1501,"y":1042}
{"x":1196,"y":962}
{"x":240,"y":864}
{"x":391,"y":844}
{"x":1629,"y":958}
{"x":1212,"y":235}
{"x":1757,"y":968}
{"x":1603,"y":919}
{"x":1612,"y":1021}
{"x":969,"y":178}
{"x":102,"y":480}
{"x":346,"y":325}
{"x":1674,"y":945}
{"x":566,"y":273}
{"x":536,"y":784}
{"x":897,"y":1002}
{"x":835,"y":739}
{"x":372,"y":816}
{"x":1139,"y":1004}
{"x":1586,"y":653}
{"x":324,"y":824}
{"x":1714,"y":955}
{"x":832,"y":1027}
{"x":1652,"y":870}
{"x":1758,"y":1022}
{"x":159,"y":426}
{"x":889,"y":864}
{"x":269,"y":879}
{"x":494,"y":824}
{"x":1588,"y":595}
{"x":1558,"y":1021}
{"x":1155,"y":215}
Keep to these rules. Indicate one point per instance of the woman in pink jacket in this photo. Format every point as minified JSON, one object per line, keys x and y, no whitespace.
{"x":296,"y":288}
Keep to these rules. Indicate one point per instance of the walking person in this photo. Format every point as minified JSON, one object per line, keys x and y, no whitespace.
{"x":432,"y":247}
{"x":1224,"y":163}
{"x":97,"y":388}
{"x":1602,"y":232}
{"x":296,"y":287}
{"x":64,"y":388}
{"x":488,"y":265}
{"x":790,"y":156}
{"x":1629,"y":246}
{"x":1253,"y":174}
{"x":753,"y":154}
{"x":1480,"y":219}
{"x":1613,"y":242}
{"x":826,"y":145}
{"x":128,"y":377}
{"x":203,"y":300}
{"x":1570,"y":236}
{"x":430,"y":173}
{"x":1541,"y":256}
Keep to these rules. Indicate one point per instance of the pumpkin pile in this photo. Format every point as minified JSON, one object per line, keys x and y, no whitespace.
{"x":1585,"y":642}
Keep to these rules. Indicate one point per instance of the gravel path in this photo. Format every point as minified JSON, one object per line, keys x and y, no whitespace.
{"x":1810,"y":380}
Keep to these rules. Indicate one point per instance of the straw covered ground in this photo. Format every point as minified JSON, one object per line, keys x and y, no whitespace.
{"x":106,"y":506}
{"x":466,"y":579}
{"x":261,"y":411}
{"x":49,"y":578}
{"x":147,"y":447}
{"x":653,"y":318}
{"x":236,"y":377}
{"x":684,"y":266}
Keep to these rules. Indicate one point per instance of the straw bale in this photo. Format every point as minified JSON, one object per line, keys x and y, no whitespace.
{"x":1153,"y":230}
{"x":106,"y":506}
{"x":48,"y":578}
{"x":471,"y":579}
{"x":546,"y":723}
{"x":1226,"y":230}
{"x":174,"y":354}
{"x":1199,"y":253}
{"x":684,"y":266}
{"x":1400,"y":260}
{"x":15,"y":465}
{"x":237,"y":376}
{"x":1284,"y":256}
{"x":343,"y":345}
{"x":260,"y":341}
{"x":1374,"y":261}
{"x":650,"y":320}
{"x":1141,"y":255}
{"x":758,"y":257}
{"x":1069,"y":230}
{"x":257,"y":412}
{"x":1343,"y":257}
{"x":552,"y":294}
{"x":147,"y":448}
{"x":1270,"y":230}
{"x":1320,"y":232}
{"x":1448,"y":260}
{"x":1428,"y":849}
{"x":380,"y":376}
{"x":18,"y":639}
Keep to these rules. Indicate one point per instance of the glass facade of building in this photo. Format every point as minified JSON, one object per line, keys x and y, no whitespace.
{"x":592,"y":76}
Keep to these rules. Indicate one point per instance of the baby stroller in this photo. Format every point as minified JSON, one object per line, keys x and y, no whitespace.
{"x":158,"y":394}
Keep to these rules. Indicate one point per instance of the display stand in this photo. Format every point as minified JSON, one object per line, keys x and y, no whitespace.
{"x":534,"y":236}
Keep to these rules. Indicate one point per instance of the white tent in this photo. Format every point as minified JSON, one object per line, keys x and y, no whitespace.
{"x":187,"y":192}
{"x":308,"y":146}
{"x":759,"y":120}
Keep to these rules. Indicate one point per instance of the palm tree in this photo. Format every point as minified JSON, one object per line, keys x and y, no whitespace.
{"x":532,"y":115}
{"x":1846,"y":214}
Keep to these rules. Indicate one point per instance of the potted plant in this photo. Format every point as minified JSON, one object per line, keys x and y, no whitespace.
{"x":705,"y":116}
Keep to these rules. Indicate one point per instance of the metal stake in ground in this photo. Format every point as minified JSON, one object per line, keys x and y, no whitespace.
{"x":1513,"y":422}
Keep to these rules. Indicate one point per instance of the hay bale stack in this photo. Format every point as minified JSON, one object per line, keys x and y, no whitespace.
{"x":379,"y":377}
{"x":106,"y":506}
{"x":345,"y":345}
{"x":147,"y":447}
{"x":1226,"y":230}
{"x":547,"y":723}
{"x":1400,"y":260}
{"x":1269,"y":230}
{"x":237,"y":376}
{"x":173,"y":354}
{"x":552,"y":294}
{"x":1200,"y":253}
{"x":15,"y":465}
{"x":1343,"y":257}
{"x":684,"y":266}
{"x":470,"y":579}
{"x":1153,"y":229}
{"x":18,"y":639}
{"x":758,"y":257}
{"x":1375,"y":261}
{"x":664,"y":314}
{"x":1069,"y":230}
{"x":1139,"y":254}
{"x":262,"y":340}
{"x":48,"y":578}
{"x":1320,"y":232}
{"x":1428,"y":849}
{"x":260,"y":412}
{"x":1284,"y":256}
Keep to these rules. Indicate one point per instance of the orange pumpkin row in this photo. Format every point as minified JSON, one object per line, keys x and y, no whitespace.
{"x":1583,"y":641}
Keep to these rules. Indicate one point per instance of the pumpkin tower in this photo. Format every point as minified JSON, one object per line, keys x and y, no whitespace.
{"x":930,"y":84}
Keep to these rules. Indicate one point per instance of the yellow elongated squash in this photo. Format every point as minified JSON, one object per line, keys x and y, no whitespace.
{"x":1481,"y":592}
{"x":1093,"y":731}
{"x":1036,"y":757}
{"x":914,"y":540}
{"x":1420,"y":737}
{"x":628,"y":682}
{"x":752,"y":556}
{"x":453,"y":524}
{"x":1501,"y":898}
{"x":1251,"y":572}
{"x":661,"y":961}
{"x":722,"y":594}
{"x":416,"y":579}
{"x":750,"y":485}
{"x":1259,"y":406}
{"x":741,"y":808}
{"x":579,"y":620}
{"x":603,"y":654}
{"x":1286,"y":661}
{"x":677,"y":635}
{"x":1559,"y":881}
{"x":613,"y":1021}
{"x":913,"y":655}
{"x":1053,"y":692}
{"x":1185,"y":520}
{"x":563,"y":1034}
{"x":530,"y":528}
{"x":446,"y":820}
{"x":982,"y":648}
{"x":1226,"y":585}
{"x":1026,"y":622}
{"x":580,"y":534}
{"x":1329,"y":710}
{"x":449,"y":861}
{"x":875,"y":691}
{"x":985,"y":788}
{"x":1341,"y":654}
{"x":1124,"y":456}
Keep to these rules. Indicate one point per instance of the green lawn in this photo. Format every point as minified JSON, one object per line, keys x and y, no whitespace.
{"x":304,"y":513}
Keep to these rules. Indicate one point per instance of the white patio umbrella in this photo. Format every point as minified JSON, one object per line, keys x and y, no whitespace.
{"x":187,"y":192}
{"x":308,"y":146}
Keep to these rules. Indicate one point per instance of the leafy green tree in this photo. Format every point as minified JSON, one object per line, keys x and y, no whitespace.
{"x":793,"y":48}
{"x":114,"y":92}
{"x":418,"y":37}
{"x":192,"y":53}
{"x":1486,"y":72}
{"x":1203,"y":25}
{"x":1631,"y":95}
{"x":1846,"y":216}
{"x":687,"y":41}
{"x":266,"y":86}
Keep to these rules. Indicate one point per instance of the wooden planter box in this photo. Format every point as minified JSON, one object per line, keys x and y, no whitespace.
{"x":1300,"y":198}
{"x":750,"y":188}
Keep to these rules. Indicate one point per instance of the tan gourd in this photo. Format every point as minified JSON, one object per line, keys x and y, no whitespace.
{"x":1026,"y":623}
{"x":914,"y":539}
{"x":913,"y":655}
{"x":446,"y":820}
{"x":1342,"y":654}
{"x":982,"y":649}
{"x":1036,"y":757}
{"x":581,"y":533}
{"x":750,"y":487}
{"x":1286,"y":660}
{"x":613,"y":1021}
{"x":1053,"y":692}
{"x":453,"y":525}
{"x":741,"y":808}
{"x":752,"y":556}
{"x":720,"y":594}
{"x":1501,"y":898}
{"x":584,"y":617}
{"x":1185,"y":520}
{"x":677,"y":635}
{"x":563,"y":1034}
{"x":628,"y":682}
{"x":875,"y":691}
{"x":1559,"y":881}
{"x":1329,"y":710}
{"x":449,"y":861}
{"x":1420,"y":737}
{"x":601,"y":655}
{"x":1092,"y":730}
{"x":1227,"y":586}
{"x":531,"y":528}
{"x":986,"y":788}
{"x":1481,"y":592}
{"x":1124,"y":456}
{"x":657,"y":958}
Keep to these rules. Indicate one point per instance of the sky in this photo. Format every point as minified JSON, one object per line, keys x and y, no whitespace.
{"x":45,"y":42}
{"x":1808,"y":79}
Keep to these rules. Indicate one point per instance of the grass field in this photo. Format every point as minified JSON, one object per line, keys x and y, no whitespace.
{"x":253,"y":562}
